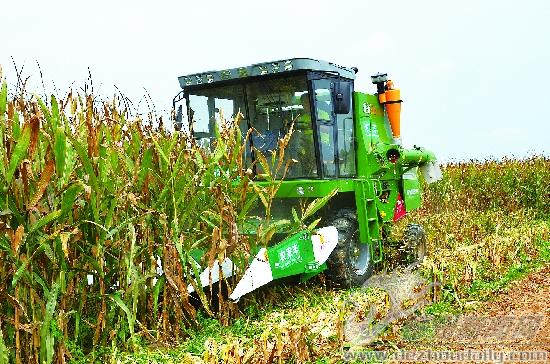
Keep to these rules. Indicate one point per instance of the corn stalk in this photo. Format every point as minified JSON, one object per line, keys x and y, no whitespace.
{"x":99,"y":219}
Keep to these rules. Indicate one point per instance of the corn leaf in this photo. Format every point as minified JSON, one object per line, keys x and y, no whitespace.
{"x":3,"y":98}
{"x":295,"y":215}
{"x":243,"y":212}
{"x":314,"y":224}
{"x":48,"y":251}
{"x":86,"y":162}
{"x":37,"y":278}
{"x":55,"y":113}
{"x":129,"y":316}
{"x":161,"y":152}
{"x":45,"y":177}
{"x":3,"y":349}
{"x":69,"y":197}
{"x":317,"y":204}
{"x":218,"y":153}
{"x":3,"y":102}
{"x":70,"y":161}
{"x":15,"y":127}
{"x":60,"y":148}
{"x":45,"y":220}
{"x":146,"y":163}
{"x":261,"y":194}
{"x":5,"y":245}
{"x":22,"y":269}
{"x":45,"y":110}
{"x":47,"y":338}
{"x":198,"y":159}
{"x":19,"y":152}
{"x":159,"y":285}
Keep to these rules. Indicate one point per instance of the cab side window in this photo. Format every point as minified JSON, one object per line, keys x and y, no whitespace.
{"x":323,"y":101}
{"x":346,"y":141}
{"x":324,"y":113}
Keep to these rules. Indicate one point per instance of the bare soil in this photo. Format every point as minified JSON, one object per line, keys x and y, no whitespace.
{"x":517,"y":321}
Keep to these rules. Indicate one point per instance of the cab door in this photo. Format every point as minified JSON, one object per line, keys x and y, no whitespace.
{"x":334,"y":131}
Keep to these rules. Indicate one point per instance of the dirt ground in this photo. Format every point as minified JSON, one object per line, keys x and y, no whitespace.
{"x":515,"y":327}
{"x":517,"y":323}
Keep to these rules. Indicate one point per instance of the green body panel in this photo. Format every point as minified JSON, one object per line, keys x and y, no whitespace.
{"x":412,"y":189}
{"x":371,"y":126}
{"x":417,"y":156}
{"x":313,"y":188}
{"x":293,"y":256}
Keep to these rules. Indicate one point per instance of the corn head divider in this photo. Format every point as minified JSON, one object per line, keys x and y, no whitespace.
{"x":302,"y":253}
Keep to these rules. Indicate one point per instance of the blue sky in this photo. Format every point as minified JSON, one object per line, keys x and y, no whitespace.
{"x":473,"y":75}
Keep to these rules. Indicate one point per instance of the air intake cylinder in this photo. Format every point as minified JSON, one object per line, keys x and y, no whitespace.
{"x":391,"y":99}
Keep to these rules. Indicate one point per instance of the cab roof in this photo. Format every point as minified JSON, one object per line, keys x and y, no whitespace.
{"x":264,"y":69}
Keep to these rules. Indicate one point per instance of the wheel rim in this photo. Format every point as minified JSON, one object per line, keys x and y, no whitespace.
{"x":360,"y":255}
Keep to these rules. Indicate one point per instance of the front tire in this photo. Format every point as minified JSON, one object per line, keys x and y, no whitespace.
{"x":350,"y":263}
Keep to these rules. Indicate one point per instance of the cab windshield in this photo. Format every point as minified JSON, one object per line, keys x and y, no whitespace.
{"x":270,"y":107}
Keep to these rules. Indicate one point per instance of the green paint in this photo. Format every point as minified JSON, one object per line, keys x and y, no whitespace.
{"x":313,"y":188}
{"x":412,"y":189}
{"x":292,"y":256}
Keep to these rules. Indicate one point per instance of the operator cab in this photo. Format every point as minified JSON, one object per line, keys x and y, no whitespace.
{"x":314,"y":96}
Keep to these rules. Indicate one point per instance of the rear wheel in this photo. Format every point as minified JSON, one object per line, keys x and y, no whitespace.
{"x":414,"y":244}
{"x":350,"y":263}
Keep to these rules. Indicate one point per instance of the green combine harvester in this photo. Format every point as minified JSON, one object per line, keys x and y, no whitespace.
{"x":342,"y":140}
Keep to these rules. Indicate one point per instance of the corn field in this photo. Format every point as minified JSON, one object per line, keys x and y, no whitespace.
{"x":99,"y":215}
{"x":483,"y":218}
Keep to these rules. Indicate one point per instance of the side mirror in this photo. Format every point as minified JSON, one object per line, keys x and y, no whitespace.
{"x":342,"y":97}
